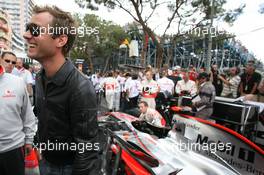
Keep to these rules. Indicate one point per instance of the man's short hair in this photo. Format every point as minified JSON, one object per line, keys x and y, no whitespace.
{"x":144,"y":102}
{"x":127,"y":74}
{"x":7,"y":53}
{"x":185,"y":71}
{"x":134,"y":76}
{"x":148,"y":70}
{"x":61,"y":20}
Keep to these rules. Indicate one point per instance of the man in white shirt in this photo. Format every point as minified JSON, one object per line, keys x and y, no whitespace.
{"x":121,"y":80}
{"x":166,"y":84}
{"x":186,"y":86}
{"x":96,"y":80}
{"x":231,"y":83}
{"x":150,"y":115}
{"x":111,"y":86}
{"x":132,"y":88}
{"x":150,"y":90}
{"x":20,"y":71}
{"x":17,"y":123}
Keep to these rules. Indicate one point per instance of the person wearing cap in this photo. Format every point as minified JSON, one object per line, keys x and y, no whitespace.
{"x":176,"y":75}
{"x":177,"y":71}
{"x":17,"y":122}
{"x":206,"y":93}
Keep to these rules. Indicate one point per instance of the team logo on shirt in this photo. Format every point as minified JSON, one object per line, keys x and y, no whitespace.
{"x":8,"y":94}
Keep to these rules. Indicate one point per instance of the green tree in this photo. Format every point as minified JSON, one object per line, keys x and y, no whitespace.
{"x":98,"y":39}
{"x":181,"y":12}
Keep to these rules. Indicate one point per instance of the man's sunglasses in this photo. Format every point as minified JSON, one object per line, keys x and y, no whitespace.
{"x":34,"y":29}
{"x":9,"y":61}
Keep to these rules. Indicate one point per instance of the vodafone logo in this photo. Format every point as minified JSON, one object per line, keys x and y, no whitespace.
{"x":9,"y":94}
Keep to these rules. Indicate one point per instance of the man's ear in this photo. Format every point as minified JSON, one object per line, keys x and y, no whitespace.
{"x":61,"y":40}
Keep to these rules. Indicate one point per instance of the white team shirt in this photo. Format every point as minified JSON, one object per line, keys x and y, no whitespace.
{"x":189,"y":86}
{"x":24,"y":74}
{"x":132,"y":87}
{"x":152,"y":116}
{"x":111,"y":85}
{"x":166,"y":84}
{"x":149,"y":89}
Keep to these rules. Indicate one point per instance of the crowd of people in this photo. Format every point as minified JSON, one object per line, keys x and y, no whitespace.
{"x":18,"y":67}
{"x":126,"y":89}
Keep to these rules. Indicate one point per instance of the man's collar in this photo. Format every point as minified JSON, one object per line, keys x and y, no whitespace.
{"x":203,"y":84}
{"x":21,"y":69}
{"x":149,"y":80}
{"x":61,"y":75}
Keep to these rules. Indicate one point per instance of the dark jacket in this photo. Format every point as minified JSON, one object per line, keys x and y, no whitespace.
{"x":207,"y":95}
{"x":66,"y":108}
{"x":218,"y":84}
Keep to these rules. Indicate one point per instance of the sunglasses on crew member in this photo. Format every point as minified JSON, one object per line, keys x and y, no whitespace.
{"x":34,"y":29}
{"x":9,"y":61}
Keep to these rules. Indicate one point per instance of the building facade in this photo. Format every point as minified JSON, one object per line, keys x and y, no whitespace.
{"x":19,"y":11}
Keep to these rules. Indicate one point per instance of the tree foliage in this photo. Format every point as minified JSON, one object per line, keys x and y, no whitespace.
{"x":105,"y":38}
{"x":182,"y":12}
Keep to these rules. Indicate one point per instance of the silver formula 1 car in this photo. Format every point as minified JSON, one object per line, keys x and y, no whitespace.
{"x":191,"y":147}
